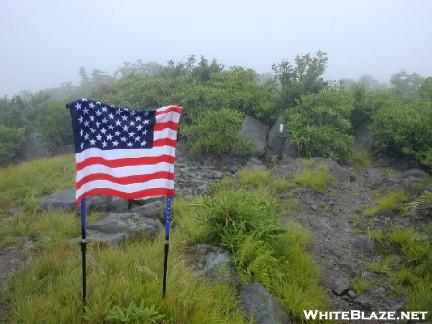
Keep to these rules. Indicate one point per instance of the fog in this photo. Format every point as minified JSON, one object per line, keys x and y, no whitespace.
{"x":43,"y":43}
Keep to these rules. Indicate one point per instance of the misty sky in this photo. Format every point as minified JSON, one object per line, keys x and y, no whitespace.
{"x":44,"y":42}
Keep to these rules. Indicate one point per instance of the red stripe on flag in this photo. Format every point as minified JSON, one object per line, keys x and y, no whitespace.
{"x":161,"y":126}
{"x":125,"y":162}
{"x":164,"y":141}
{"x":170,"y":109}
{"x":125,"y":180}
{"x":133,"y":195}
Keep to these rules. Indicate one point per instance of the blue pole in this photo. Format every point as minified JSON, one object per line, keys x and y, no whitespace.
{"x":83,"y":244}
{"x":166,"y":245}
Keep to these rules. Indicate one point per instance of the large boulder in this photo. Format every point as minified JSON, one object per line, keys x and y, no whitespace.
{"x":261,"y":306}
{"x":60,"y":201}
{"x":34,"y":147}
{"x":151,"y":209}
{"x":278,"y":143}
{"x":214,"y":263}
{"x":276,"y":138}
{"x":65,"y":201}
{"x":116,"y":227}
{"x":256,"y":132}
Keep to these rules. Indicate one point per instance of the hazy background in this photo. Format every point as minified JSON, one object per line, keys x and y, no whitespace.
{"x":45,"y":42}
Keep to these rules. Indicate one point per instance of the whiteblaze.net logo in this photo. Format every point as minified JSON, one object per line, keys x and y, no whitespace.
{"x":353,"y":315}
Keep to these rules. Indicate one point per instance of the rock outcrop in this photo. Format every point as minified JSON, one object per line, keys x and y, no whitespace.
{"x":256,"y":132}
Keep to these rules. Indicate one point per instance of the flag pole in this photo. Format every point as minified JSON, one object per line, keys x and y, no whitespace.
{"x":83,"y":244}
{"x":166,"y":245}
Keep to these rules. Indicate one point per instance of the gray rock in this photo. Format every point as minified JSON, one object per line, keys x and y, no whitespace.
{"x":15,"y":211}
{"x":276,"y":139}
{"x":107,"y":204}
{"x":256,"y":132}
{"x":428,"y":187}
{"x":289,"y":150}
{"x":415,"y":173}
{"x":364,"y":244}
{"x":34,"y":147}
{"x":260,"y":305}
{"x":60,"y":201}
{"x":214,"y":263}
{"x":363,"y":301}
{"x":152,"y":209}
{"x":255,"y":164}
{"x":342,"y":174}
{"x":118,"y":226}
{"x":341,"y":286}
{"x":111,"y":239}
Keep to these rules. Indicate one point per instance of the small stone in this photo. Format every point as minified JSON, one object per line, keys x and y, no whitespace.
{"x":364,"y":244}
{"x":352,"y":294}
{"x":341,"y":286}
{"x":363,"y":301}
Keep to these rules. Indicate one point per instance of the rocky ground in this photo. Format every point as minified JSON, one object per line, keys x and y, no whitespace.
{"x":339,"y":245}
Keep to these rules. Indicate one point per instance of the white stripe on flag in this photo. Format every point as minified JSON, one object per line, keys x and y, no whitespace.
{"x":124,"y":153}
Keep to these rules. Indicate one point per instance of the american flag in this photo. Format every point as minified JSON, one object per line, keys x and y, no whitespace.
{"x":124,"y":152}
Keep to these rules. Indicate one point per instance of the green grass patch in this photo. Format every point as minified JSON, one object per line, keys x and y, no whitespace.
{"x":23,"y":185}
{"x":118,"y":280}
{"x":360,"y":157}
{"x":361,"y":284}
{"x":392,"y":200}
{"x":317,"y":178}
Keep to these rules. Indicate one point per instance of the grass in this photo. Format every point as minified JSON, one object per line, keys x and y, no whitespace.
{"x":23,"y":185}
{"x":49,"y":290}
{"x":361,"y":284}
{"x":392,"y":200}
{"x":124,"y":283}
{"x":317,"y":178}
{"x":360,"y":158}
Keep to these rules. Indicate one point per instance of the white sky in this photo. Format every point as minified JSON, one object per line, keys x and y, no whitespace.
{"x":44,"y":42}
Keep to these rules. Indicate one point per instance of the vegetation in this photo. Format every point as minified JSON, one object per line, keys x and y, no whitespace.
{"x":10,"y":142}
{"x":315,"y":177}
{"x":216,"y":132}
{"x":320,"y":125}
{"x":389,"y":201}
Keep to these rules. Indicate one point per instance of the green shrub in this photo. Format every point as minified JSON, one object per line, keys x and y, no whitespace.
{"x":320,"y":125}
{"x":216,"y":132}
{"x":403,"y":130}
{"x":10,"y":142}
{"x":54,"y":122}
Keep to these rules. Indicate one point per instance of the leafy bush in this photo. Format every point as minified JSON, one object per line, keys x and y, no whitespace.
{"x":216,"y":132}
{"x":403,"y":130}
{"x":320,"y":125}
{"x":10,"y":142}
{"x":54,"y":122}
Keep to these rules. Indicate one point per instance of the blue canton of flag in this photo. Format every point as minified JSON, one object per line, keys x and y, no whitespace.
{"x":105,"y":127}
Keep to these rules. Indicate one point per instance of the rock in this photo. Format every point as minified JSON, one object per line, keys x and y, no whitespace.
{"x":340,"y":286}
{"x":276,"y":138}
{"x":351,"y":293}
{"x":255,"y":164}
{"x":60,"y":201}
{"x":118,"y":226}
{"x":152,"y":209}
{"x":428,"y":187}
{"x":342,"y":174}
{"x":289,"y":150}
{"x":415,"y":173}
{"x":256,"y":132}
{"x":34,"y":147}
{"x":214,"y":263}
{"x":365,"y":244}
{"x":15,"y":211}
{"x":112,"y":239}
{"x":107,"y":204}
{"x":260,"y":305}
{"x":363,"y":301}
